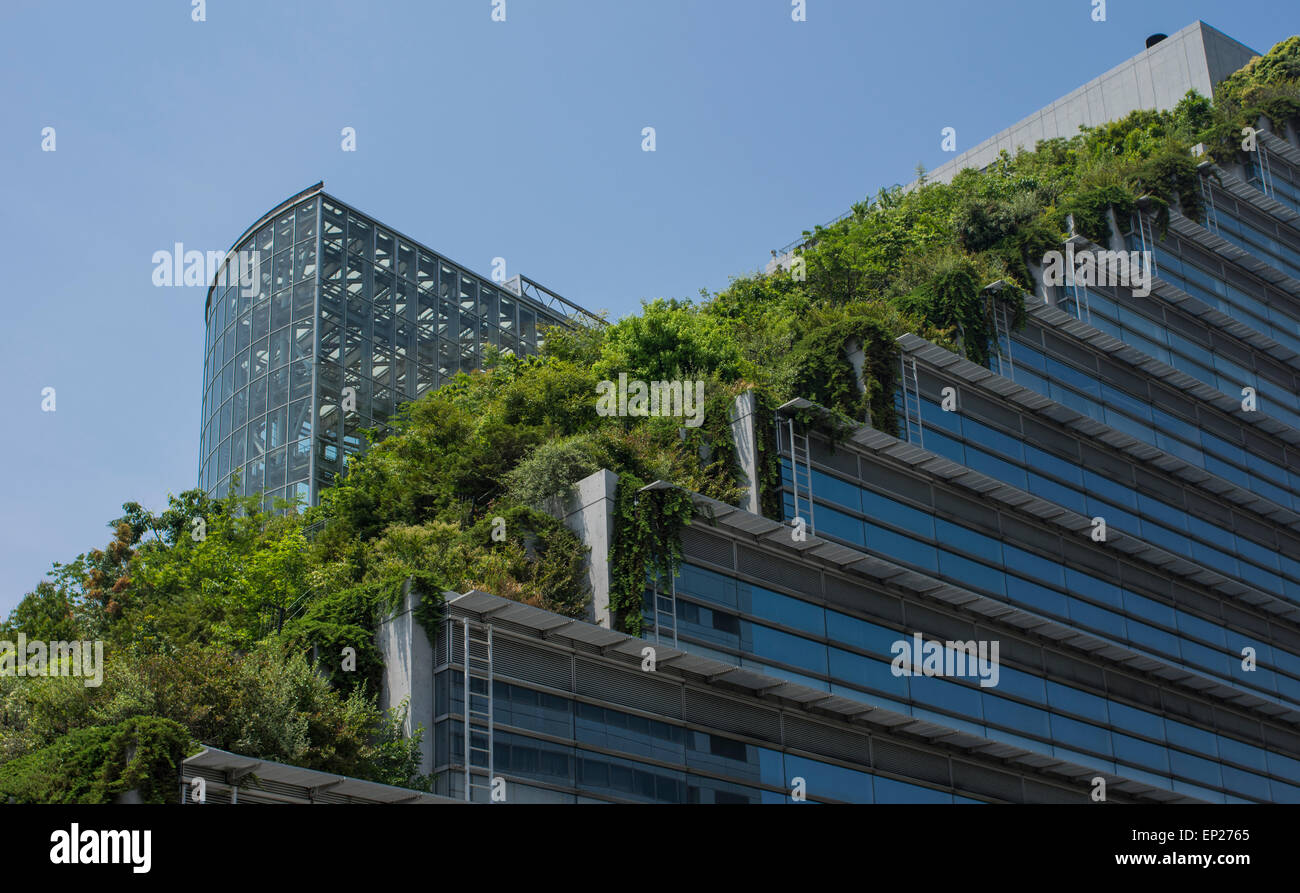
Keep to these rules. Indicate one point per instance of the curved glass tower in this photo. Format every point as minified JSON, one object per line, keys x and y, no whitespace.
{"x":321,"y":324}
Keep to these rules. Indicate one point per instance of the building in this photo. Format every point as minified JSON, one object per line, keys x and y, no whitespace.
{"x":576,"y":717}
{"x":1114,"y":502}
{"x":327,"y":324}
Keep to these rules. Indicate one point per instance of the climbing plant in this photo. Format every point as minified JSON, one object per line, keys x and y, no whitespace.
{"x":646,"y":543}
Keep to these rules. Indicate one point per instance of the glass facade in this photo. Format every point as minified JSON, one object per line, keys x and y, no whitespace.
{"x":569,"y":726}
{"x":789,"y":637}
{"x":347,"y":319}
{"x":1163,"y":610}
{"x":1235,"y":544}
{"x":1283,"y":181}
{"x":1224,"y":583}
{"x":576,"y":751}
{"x":1031,"y":577}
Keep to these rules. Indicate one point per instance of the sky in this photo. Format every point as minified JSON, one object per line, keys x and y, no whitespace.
{"x":520,"y":139}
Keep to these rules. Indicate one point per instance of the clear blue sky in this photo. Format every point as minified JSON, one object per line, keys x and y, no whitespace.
{"x":519,"y":139}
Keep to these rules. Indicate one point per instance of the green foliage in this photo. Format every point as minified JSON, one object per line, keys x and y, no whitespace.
{"x":767,"y":460}
{"x":551,"y":469}
{"x":97,"y":764}
{"x":647,"y":542}
{"x":47,"y":613}
{"x":395,"y":758}
{"x":667,"y":342}
{"x":1091,"y":208}
{"x":227,"y":588}
{"x":1267,"y":87}
{"x":270,"y":703}
{"x":824,"y":372}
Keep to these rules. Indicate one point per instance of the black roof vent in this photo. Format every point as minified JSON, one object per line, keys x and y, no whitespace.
{"x":1155,"y":39}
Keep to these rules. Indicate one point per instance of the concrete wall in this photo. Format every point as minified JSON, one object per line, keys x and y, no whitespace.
{"x":588,"y":510}
{"x":1196,"y":58}
{"x":408,"y":670}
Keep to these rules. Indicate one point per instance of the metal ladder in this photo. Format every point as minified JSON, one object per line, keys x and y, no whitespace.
{"x":665,"y":606}
{"x":1265,"y":172}
{"x":478,"y":707}
{"x":912,"y":402}
{"x":1212,"y":213}
{"x":1148,"y":248}
{"x":800,"y":452}
{"x":1082,"y":310}
{"x":1002,"y":337}
{"x":1078,"y":293}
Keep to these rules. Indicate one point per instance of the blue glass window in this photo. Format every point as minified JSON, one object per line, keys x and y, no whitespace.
{"x":866,"y":673}
{"x":772,"y":644}
{"x":901,"y":548}
{"x":947,"y":695}
{"x":1081,"y":734}
{"x":890,"y":791}
{"x":1072,"y":700}
{"x":837,"y":524}
{"x":1022,"y":717}
{"x":971,"y":573}
{"x":1032,"y":565}
{"x":1143,"y":753}
{"x":784,"y":609}
{"x":825,"y":781}
{"x":885,"y":509}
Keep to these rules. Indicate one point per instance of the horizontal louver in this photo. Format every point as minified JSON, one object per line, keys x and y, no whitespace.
{"x":639,"y":690}
{"x":727,"y":715}
{"x":818,"y":738}
{"x":516,"y":660}
{"x":911,"y":763}
{"x":775,"y":570}
{"x":700,"y":546}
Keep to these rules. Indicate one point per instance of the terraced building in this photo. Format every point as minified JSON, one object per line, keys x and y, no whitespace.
{"x":1114,"y":500}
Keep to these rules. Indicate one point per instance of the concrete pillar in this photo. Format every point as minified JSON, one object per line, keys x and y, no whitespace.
{"x":744,"y":415}
{"x":1117,"y":242}
{"x":408,"y":670}
{"x":857,"y":357}
{"x":588,"y":510}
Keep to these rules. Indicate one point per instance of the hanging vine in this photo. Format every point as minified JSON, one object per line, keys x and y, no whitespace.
{"x":646,"y":543}
{"x":767,"y":457}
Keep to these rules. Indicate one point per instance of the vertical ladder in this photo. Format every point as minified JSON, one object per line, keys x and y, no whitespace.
{"x":1077,"y":292}
{"x":912,"y":402}
{"x":1212,"y":213}
{"x":1002,"y":337}
{"x":665,"y":606}
{"x":1148,"y":248}
{"x":1265,"y":172}
{"x":800,"y":452}
{"x":478,"y":708}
